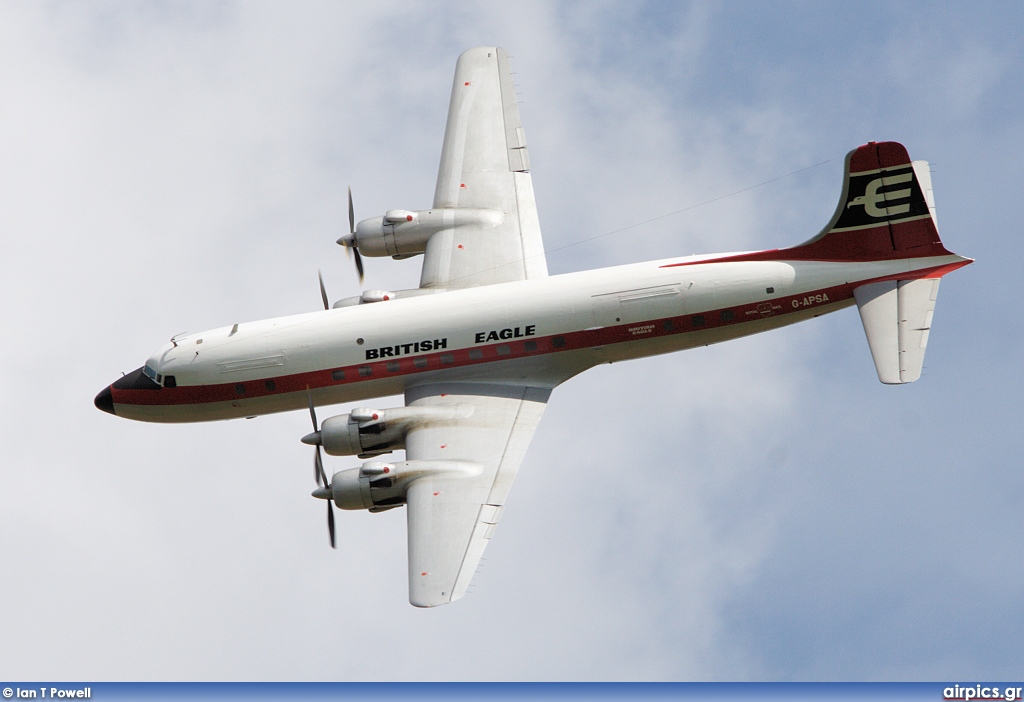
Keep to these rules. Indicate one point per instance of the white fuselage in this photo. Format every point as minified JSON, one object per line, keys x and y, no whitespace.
{"x":537,"y":332}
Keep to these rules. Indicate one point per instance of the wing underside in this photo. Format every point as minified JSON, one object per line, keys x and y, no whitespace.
{"x":452,"y":517}
{"x":485,"y":165}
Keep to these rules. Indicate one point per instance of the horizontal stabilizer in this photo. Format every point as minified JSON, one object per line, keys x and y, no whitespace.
{"x":879,"y":312}
{"x":897,"y":317}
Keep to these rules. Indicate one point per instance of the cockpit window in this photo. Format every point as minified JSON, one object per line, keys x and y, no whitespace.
{"x":167,"y":381}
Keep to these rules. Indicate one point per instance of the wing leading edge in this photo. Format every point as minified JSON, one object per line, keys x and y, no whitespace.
{"x":452,"y":517}
{"x":484,"y":165}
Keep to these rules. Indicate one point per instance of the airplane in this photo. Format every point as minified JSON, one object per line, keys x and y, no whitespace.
{"x":477,"y":349}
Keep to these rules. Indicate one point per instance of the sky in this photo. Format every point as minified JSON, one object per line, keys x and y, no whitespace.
{"x":762,"y":509}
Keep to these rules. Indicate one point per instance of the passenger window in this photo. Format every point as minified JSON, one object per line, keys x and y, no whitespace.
{"x":420,"y":362}
{"x":338,"y":374}
{"x":698,"y":320}
{"x":504,"y":350}
{"x":240,"y":389}
{"x":558,"y":342}
{"x":476,"y":354}
{"x":448,"y":358}
{"x":530,"y":345}
{"x":394,"y":366}
{"x":365,"y":371}
{"x":270,"y":385}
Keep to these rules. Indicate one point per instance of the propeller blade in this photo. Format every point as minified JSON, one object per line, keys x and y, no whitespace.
{"x":323,"y":290}
{"x":351,"y":214}
{"x":318,"y":464}
{"x":359,"y":264}
{"x":312,"y":410}
{"x":330,"y":523}
{"x":351,"y":245}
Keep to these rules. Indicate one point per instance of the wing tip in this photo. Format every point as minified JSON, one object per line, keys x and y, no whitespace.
{"x":424,"y":597}
{"x":424,"y":601}
{"x":478,"y":52}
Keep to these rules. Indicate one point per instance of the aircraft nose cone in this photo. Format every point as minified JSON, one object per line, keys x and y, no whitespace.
{"x":105,"y":401}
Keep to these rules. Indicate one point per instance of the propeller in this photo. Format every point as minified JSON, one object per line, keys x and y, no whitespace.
{"x":318,"y":468}
{"x":349,"y":242}
{"x":323,"y":293}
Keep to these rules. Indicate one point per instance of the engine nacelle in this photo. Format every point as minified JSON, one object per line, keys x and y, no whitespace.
{"x":362,"y":433}
{"x":351,"y":490}
{"x":369,"y":432}
{"x":369,"y":296}
{"x":403,"y":233}
{"x":378,"y":486}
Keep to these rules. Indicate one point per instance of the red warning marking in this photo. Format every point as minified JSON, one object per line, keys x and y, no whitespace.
{"x":436,"y":494}
{"x":444,"y":394}
{"x":460,"y":246}
{"x":467,"y":82}
{"x":462,"y":185}
{"x":423,"y":573}
{"x":387,"y":470}
{"x":444,"y":445}
{"x":408,"y":218}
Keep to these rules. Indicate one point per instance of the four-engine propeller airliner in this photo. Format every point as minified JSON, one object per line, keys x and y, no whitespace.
{"x":479,"y":346}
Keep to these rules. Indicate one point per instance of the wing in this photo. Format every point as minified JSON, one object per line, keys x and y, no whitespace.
{"x":451,"y":518}
{"x":484,"y":164}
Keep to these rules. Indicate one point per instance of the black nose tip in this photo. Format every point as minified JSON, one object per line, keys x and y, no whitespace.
{"x":105,"y":401}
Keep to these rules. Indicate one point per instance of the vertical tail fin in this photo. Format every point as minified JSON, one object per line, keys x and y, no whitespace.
{"x":886,"y":210}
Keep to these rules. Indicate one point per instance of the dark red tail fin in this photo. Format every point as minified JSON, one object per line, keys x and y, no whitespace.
{"x":886,"y":210}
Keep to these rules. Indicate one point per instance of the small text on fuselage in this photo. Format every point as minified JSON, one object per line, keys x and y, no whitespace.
{"x":810,"y":300}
